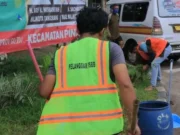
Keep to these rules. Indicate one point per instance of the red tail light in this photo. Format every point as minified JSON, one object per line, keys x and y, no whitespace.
{"x":157,"y":29}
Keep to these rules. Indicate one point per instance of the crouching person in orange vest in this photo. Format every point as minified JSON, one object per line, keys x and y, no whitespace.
{"x":155,"y":51}
{"x":80,"y":85}
{"x":142,"y":57}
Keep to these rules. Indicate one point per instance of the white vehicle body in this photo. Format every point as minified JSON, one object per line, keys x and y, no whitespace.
{"x":140,"y":19}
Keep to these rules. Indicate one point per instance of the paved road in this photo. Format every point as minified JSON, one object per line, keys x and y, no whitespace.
{"x":175,"y":91}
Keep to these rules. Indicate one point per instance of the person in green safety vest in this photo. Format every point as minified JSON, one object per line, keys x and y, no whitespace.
{"x":82,"y":97}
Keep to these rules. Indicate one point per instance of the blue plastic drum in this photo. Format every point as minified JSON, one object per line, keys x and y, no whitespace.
{"x":155,"y":118}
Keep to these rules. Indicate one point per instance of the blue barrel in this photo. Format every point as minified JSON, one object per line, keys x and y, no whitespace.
{"x":155,"y":118}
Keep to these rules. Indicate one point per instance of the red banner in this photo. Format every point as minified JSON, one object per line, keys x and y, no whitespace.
{"x":37,"y":37}
{"x":41,"y":22}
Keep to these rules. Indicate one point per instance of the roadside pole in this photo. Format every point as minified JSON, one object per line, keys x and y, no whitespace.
{"x":35,"y":61}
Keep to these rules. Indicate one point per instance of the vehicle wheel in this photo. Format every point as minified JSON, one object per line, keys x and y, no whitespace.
{"x":130,"y":56}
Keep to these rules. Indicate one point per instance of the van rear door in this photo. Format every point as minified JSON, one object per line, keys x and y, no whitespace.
{"x":169,"y":13}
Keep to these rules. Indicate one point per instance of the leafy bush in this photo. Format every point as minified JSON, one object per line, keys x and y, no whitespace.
{"x":47,"y":61}
{"x":16,"y":65}
{"x":136,"y":73}
{"x":20,"y":89}
{"x":18,"y":80}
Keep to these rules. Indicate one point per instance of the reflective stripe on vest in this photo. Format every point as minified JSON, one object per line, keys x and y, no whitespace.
{"x":95,"y":102}
{"x":102,"y":88}
{"x":79,"y":117}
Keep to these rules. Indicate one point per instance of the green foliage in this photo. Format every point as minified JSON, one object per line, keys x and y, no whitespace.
{"x":22,"y":119}
{"x":143,"y":95}
{"x":17,"y":65}
{"x":47,"y":61}
{"x":24,"y":64}
{"x":20,"y":103}
{"x":141,"y":80}
{"x":18,"y":90}
{"x":136,"y":73}
{"x":19,"y":81}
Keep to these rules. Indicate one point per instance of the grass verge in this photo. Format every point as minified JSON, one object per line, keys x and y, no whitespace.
{"x":20,"y":120}
{"x":20,"y":104}
{"x":143,"y":95}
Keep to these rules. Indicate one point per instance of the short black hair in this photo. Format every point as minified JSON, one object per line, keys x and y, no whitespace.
{"x":91,"y":20}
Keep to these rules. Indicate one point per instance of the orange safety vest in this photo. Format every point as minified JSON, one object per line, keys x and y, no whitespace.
{"x":142,"y":54}
{"x":157,"y":45}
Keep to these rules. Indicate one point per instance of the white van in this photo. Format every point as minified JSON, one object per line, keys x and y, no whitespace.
{"x":140,"y":19}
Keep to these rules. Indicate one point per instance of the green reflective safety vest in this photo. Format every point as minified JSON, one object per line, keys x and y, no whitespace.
{"x":85,"y":100}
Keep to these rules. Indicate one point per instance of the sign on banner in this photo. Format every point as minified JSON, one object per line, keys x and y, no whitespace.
{"x":41,"y":22}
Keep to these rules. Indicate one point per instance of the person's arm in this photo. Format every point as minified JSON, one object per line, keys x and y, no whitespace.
{"x":126,"y":90}
{"x":47,"y":86}
{"x":147,"y":63}
{"x":118,"y":64}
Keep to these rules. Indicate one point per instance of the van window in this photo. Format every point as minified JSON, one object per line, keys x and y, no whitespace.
{"x":135,"y":12}
{"x":169,"y":8}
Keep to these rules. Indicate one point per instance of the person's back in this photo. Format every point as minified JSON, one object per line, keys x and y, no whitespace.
{"x":157,"y":45}
{"x":91,"y":98}
{"x":83,"y":98}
